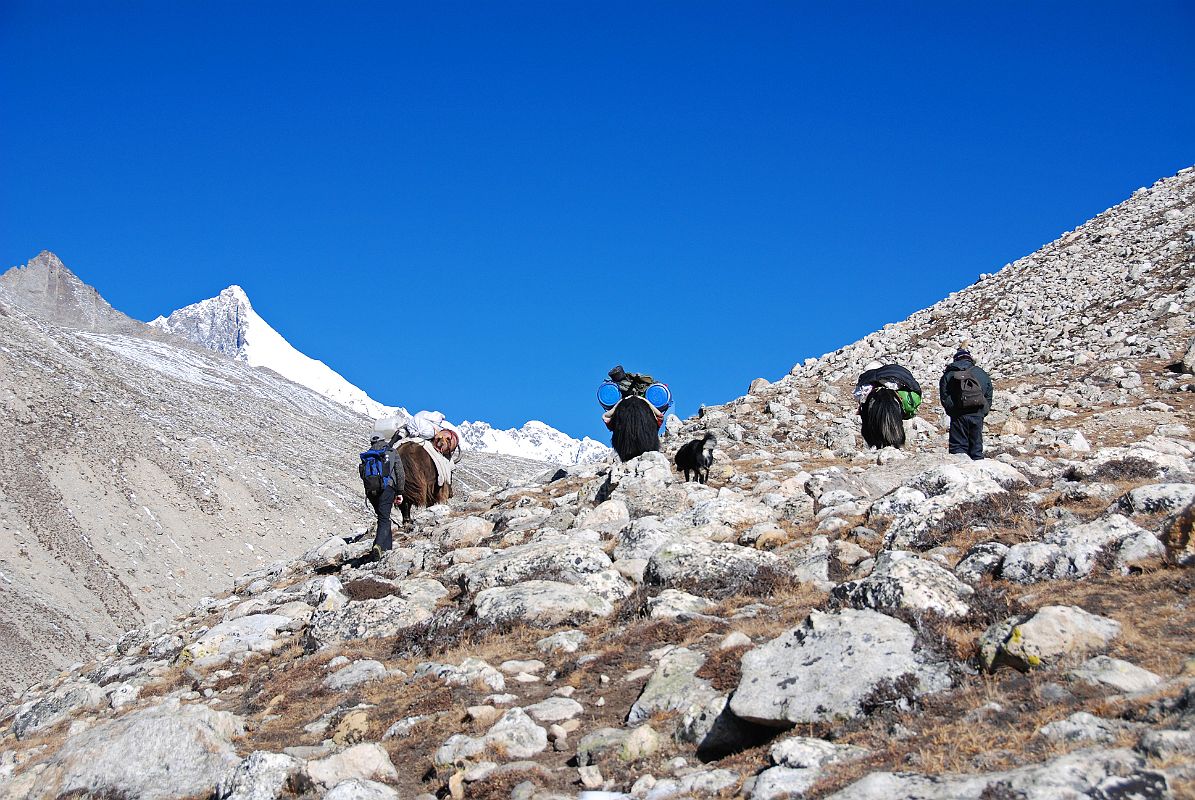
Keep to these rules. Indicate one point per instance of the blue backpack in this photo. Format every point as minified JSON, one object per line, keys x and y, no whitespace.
{"x":375,"y":471}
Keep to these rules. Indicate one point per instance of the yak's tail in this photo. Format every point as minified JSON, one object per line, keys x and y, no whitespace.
{"x":633,"y":429}
{"x":882,"y":424}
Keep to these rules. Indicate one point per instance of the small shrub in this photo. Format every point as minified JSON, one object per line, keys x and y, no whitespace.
{"x":892,"y":694}
{"x":1005,"y":510}
{"x":990,"y":604}
{"x":1118,"y":469}
{"x":724,"y":668}
{"x":632,"y":608}
{"x":368,"y":589}
{"x":448,"y":628}
{"x":1001,"y":790}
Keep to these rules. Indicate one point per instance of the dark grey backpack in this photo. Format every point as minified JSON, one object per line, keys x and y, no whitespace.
{"x":966,"y":390}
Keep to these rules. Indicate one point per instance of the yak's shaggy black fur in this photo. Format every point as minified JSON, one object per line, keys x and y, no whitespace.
{"x":634,"y":430}
{"x":882,"y":425}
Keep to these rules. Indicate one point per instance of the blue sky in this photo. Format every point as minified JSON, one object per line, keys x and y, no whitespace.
{"x":481,"y":207}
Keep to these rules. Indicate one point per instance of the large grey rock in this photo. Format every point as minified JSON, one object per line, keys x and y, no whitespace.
{"x":901,"y":580}
{"x":261,"y":776}
{"x":944,"y":487}
{"x":644,"y":537}
{"x":514,"y":736}
{"x":554,"y":709}
{"x":1082,"y":774}
{"x":365,"y":619}
{"x":698,"y":565}
{"x":1156,"y":498}
{"x":46,"y":712}
{"x":465,"y":532}
{"x":1120,"y":675}
{"x":256,"y":633}
{"x":357,"y":789}
{"x":673,"y":686}
{"x":1071,"y":551}
{"x":706,"y":783}
{"x":557,"y":559}
{"x":823,"y":669}
{"x":355,"y":674}
{"x":1084,"y":727}
{"x":335,"y":551}
{"x":1050,"y":634}
{"x":540,"y":604}
{"x":368,"y":762}
{"x":165,"y":751}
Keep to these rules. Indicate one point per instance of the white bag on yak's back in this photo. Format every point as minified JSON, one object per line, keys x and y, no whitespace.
{"x":421,"y":426}
{"x":424,"y":425}
{"x":386,"y":426}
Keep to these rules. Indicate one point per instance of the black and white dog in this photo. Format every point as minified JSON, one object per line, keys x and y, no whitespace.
{"x":696,"y":456}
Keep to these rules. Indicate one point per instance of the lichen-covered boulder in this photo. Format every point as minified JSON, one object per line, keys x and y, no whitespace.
{"x":1050,"y":634}
{"x":365,"y":619}
{"x":823,"y":669}
{"x":165,"y":751}
{"x":557,"y":559}
{"x":695,"y":564}
{"x":540,"y":604}
{"x":674,"y":686}
{"x":901,"y":580}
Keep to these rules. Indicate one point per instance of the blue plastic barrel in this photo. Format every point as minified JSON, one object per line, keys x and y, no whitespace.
{"x":659,"y":396}
{"x":608,"y":395}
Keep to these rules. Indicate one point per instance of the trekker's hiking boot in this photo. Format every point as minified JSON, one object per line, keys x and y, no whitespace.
{"x":372,"y":557}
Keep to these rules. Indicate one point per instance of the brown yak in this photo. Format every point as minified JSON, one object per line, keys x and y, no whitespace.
{"x":421,"y":487}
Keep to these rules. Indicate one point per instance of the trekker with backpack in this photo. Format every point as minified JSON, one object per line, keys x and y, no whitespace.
{"x":384,"y":480}
{"x":966,"y":393}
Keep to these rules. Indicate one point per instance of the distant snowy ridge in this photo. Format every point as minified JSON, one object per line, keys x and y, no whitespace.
{"x":228,"y":324}
{"x":534,"y":440}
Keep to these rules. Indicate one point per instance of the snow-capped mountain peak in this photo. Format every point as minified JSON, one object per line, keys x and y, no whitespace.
{"x":228,"y":324}
{"x":534,"y":440}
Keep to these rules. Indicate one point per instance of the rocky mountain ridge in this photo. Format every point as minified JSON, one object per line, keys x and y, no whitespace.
{"x":819,"y":621}
{"x":228,"y":324}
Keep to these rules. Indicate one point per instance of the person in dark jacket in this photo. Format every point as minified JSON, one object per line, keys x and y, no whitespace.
{"x":384,"y":503}
{"x":966,"y":418}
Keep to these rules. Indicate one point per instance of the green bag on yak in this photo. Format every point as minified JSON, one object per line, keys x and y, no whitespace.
{"x":909,"y":403}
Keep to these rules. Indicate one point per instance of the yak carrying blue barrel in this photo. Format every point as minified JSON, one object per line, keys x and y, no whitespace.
{"x":608,"y":395}
{"x":659,"y":396}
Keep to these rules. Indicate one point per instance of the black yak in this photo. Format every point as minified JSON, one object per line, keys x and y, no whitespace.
{"x":634,"y":427}
{"x":882,"y":422}
{"x":696,"y":456}
{"x":881,"y":408}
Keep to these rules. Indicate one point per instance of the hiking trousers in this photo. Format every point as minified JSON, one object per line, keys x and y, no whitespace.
{"x":966,"y":435}
{"x":383,"y":506}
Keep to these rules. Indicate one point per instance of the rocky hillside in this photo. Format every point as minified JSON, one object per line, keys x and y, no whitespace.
{"x":139,"y":473}
{"x":818,"y":621}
